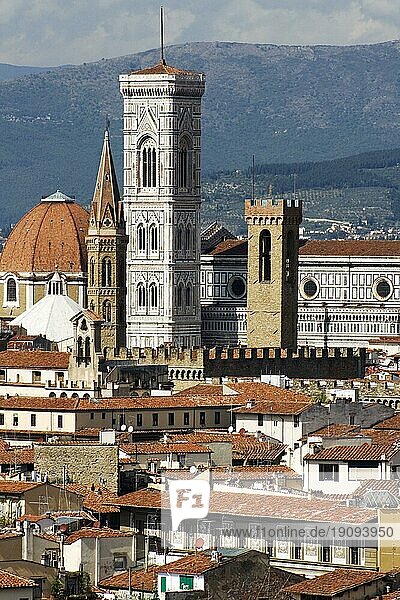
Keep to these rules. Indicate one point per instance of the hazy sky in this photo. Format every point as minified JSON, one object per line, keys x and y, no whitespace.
{"x":52,"y":32}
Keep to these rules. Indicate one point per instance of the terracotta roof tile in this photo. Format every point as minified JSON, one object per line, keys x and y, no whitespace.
{"x":34,"y":358}
{"x":9,"y":580}
{"x":335,"y":582}
{"x":367,"y":452}
{"x":162,"y":69}
{"x":161,"y":448}
{"x":336,"y":430}
{"x":230,"y":248}
{"x":262,"y":505}
{"x":17,"y":457}
{"x":33,"y":403}
{"x":274,"y":408}
{"x":94,"y":532}
{"x":17,"y":487}
{"x":98,"y":500}
{"x":390,"y":423}
{"x":192,"y":564}
{"x":350,"y":248}
{"x":137,"y":580}
{"x":50,"y":236}
{"x":146,"y":498}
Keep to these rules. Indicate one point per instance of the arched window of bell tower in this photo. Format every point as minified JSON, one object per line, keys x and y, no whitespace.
{"x":153,"y":294}
{"x":153,"y":235}
{"x":141,"y":238}
{"x":264,"y":268}
{"x":106,"y":272}
{"x":148,"y":167}
{"x":141,"y":296}
{"x":184,"y":154}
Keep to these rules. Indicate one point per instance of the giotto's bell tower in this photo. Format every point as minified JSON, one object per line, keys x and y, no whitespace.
{"x":162,"y":130}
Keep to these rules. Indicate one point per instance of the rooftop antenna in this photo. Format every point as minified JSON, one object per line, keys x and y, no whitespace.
{"x":253,"y":181}
{"x":162,"y":59}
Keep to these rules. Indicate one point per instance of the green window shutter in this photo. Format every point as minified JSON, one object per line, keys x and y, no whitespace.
{"x":185,"y":582}
{"x":163,"y":584}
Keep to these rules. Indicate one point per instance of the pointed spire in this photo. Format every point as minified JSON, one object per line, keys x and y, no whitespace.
{"x":106,"y":209}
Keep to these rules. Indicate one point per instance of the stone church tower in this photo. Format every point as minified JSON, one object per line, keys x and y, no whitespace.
{"x":162,"y":111}
{"x":273,"y":243}
{"x":106,"y":245}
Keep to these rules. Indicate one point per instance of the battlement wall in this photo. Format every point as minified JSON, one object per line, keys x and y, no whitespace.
{"x":308,"y":363}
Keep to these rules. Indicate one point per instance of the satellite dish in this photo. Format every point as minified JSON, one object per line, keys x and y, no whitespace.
{"x":63,"y":528}
{"x":123,"y":427}
{"x":193,"y":470}
{"x":230,"y":429}
{"x":199,"y":543}
{"x":130,"y":429}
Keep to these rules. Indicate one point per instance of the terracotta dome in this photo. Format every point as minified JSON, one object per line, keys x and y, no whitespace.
{"x":50,"y":236}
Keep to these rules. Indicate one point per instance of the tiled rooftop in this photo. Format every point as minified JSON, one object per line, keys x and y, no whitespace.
{"x":192,"y":564}
{"x":29,"y":359}
{"x":350,"y":248}
{"x":9,"y":580}
{"x":50,"y":236}
{"x":334,"y":582}
{"x":138,"y":580}
{"x":94,"y":532}
{"x":262,"y":505}
{"x":366,"y":452}
{"x":391,"y":423}
{"x":167,"y":448}
{"x":16,"y":487}
{"x":98,"y":500}
{"x":162,"y":69}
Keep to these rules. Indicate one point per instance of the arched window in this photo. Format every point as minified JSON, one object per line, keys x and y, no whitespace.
{"x":290,"y":256}
{"x":87,"y":351}
{"x":11,"y":290}
{"x":188,"y":238}
{"x":149,"y":164}
{"x":179,"y":295}
{"x":153,"y":234}
{"x":153,"y":294}
{"x":106,"y":272}
{"x":141,"y":238}
{"x":179,"y":238}
{"x":184,"y":165}
{"x":141,"y":296}
{"x":106,"y":310}
{"x":188,"y":298}
{"x":92,"y":307}
{"x":79,"y":351}
{"x":92,"y":271}
{"x":264,"y":268}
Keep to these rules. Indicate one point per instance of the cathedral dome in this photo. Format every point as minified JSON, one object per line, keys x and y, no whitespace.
{"x":50,"y":236}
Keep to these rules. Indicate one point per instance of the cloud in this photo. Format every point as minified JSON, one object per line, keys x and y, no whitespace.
{"x":50,"y":32}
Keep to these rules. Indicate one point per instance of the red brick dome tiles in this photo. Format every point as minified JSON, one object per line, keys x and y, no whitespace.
{"x":50,"y":236}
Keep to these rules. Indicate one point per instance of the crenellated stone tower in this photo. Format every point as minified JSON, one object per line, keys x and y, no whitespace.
{"x":162,"y":128}
{"x":106,"y":244}
{"x":273,"y":244}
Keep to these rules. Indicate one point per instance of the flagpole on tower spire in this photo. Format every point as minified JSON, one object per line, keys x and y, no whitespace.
{"x":162,"y":59}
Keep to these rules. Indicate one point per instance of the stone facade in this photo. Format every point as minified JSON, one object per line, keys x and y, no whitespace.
{"x":273,"y":241}
{"x":162,"y":130}
{"x":83,"y":463}
{"x":106,"y":245}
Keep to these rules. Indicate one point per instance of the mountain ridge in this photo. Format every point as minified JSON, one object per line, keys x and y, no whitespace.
{"x":282,"y":103}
